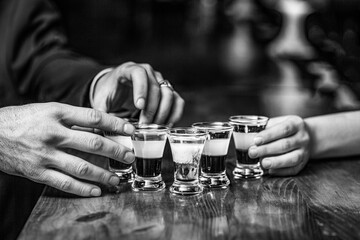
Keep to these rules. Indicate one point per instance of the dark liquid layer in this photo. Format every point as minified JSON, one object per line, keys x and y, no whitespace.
{"x":118,"y":165}
{"x":248,"y":129}
{"x":212,"y":164}
{"x":148,"y":167}
{"x":243,"y":157}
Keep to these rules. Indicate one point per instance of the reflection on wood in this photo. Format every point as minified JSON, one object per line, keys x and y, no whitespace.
{"x":322,"y":202}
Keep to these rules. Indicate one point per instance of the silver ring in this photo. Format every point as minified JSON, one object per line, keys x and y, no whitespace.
{"x":166,"y":83}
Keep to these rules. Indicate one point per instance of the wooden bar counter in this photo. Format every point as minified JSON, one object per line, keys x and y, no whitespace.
{"x":321,"y":202}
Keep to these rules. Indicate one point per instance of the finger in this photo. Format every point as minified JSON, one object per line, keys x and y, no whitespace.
{"x":96,"y":144}
{"x":153,"y":97}
{"x":286,"y":160}
{"x":274,"y":148}
{"x":276,"y":120}
{"x":165,"y":106}
{"x":159,"y":76}
{"x":139,"y":78}
{"x":84,"y":129}
{"x":177,"y":109}
{"x":68,"y":184}
{"x":91,"y":118}
{"x":82,"y":169}
{"x":278,"y":131}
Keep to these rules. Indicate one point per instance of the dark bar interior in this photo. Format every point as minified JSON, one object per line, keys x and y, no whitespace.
{"x":224,"y":57}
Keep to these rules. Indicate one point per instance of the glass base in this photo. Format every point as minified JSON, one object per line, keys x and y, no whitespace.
{"x":246,"y":171}
{"x":186,"y":188}
{"x":125,"y":177}
{"x":153,"y":184}
{"x":214,"y":181}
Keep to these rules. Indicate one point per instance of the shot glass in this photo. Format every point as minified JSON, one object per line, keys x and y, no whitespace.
{"x":149,"y":143}
{"x":186,"y":146}
{"x":123,"y":170}
{"x":212,"y":163}
{"x":245,"y":129}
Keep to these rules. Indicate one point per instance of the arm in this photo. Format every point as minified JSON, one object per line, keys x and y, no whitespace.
{"x":36,"y":56}
{"x":288,"y":142}
{"x":41,"y":66}
{"x":334,"y":135}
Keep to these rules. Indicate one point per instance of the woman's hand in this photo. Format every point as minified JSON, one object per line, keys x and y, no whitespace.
{"x":283,"y":146}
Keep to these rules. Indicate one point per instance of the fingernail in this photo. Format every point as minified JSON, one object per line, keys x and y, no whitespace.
{"x":253,"y":152}
{"x":114,"y":180}
{"x":129,"y":129}
{"x":258,"y":141}
{"x":95,"y":192}
{"x":140,"y":103}
{"x":129,"y":157}
{"x":266,"y":163}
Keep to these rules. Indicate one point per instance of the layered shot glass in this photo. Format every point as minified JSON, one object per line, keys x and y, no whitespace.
{"x":123,"y":170}
{"x":186,"y":146}
{"x":149,"y":143}
{"x":245,"y":129}
{"x":213,"y":157}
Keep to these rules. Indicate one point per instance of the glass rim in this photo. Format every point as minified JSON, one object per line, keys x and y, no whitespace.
{"x":187,"y":132}
{"x":248,"y":119}
{"x":152,"y":127}
{"x":213,"y":126}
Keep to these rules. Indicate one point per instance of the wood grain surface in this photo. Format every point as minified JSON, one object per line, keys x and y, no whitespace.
{"x":323,"y":202}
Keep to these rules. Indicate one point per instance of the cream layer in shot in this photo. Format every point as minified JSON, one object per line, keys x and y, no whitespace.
{"x":216,"y":147}
{"x":149,"y":149}
{"x":244,"y":141}
{"x":185,"y":153}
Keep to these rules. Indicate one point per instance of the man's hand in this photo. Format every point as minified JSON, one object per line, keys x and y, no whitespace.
{"x":34,"y":140}
{"x":284,"y":146}
{"x":134,"y":86}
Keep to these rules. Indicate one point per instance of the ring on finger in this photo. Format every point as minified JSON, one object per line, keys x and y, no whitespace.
{"x":166,"y":83}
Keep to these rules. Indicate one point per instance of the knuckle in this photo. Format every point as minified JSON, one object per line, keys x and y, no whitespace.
{"x":53,"y":107}
{"x":305,"y":140}
{"x":96,"y":143}
{"x":118,"y":153}
{"x":34,"y":174}
{"x":287,"y":129}
{"x":104,"y":177}
{"x":286,"y":145}
{"x":129,"y":63}
{"x":94,"y":117}
{"x":295,"y":160}
{"x":40,"y":175}
{"x":50,"y":134}
{"x":140,"y":70}
{"x":84,"y":191}
{"x":147,"y":66}
{"x":181,"y":102}
{"x":297,"y":121}
{"x":82,"y":169}
{"x":64,"y":185}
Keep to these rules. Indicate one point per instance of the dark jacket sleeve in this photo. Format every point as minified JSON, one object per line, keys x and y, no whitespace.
{"x":38,"y":61}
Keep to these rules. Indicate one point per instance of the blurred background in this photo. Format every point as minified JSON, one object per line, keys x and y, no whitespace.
{"x":226,"y":57}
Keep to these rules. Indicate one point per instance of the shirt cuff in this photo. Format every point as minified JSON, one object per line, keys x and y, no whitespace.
{"x":94,"y":82}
